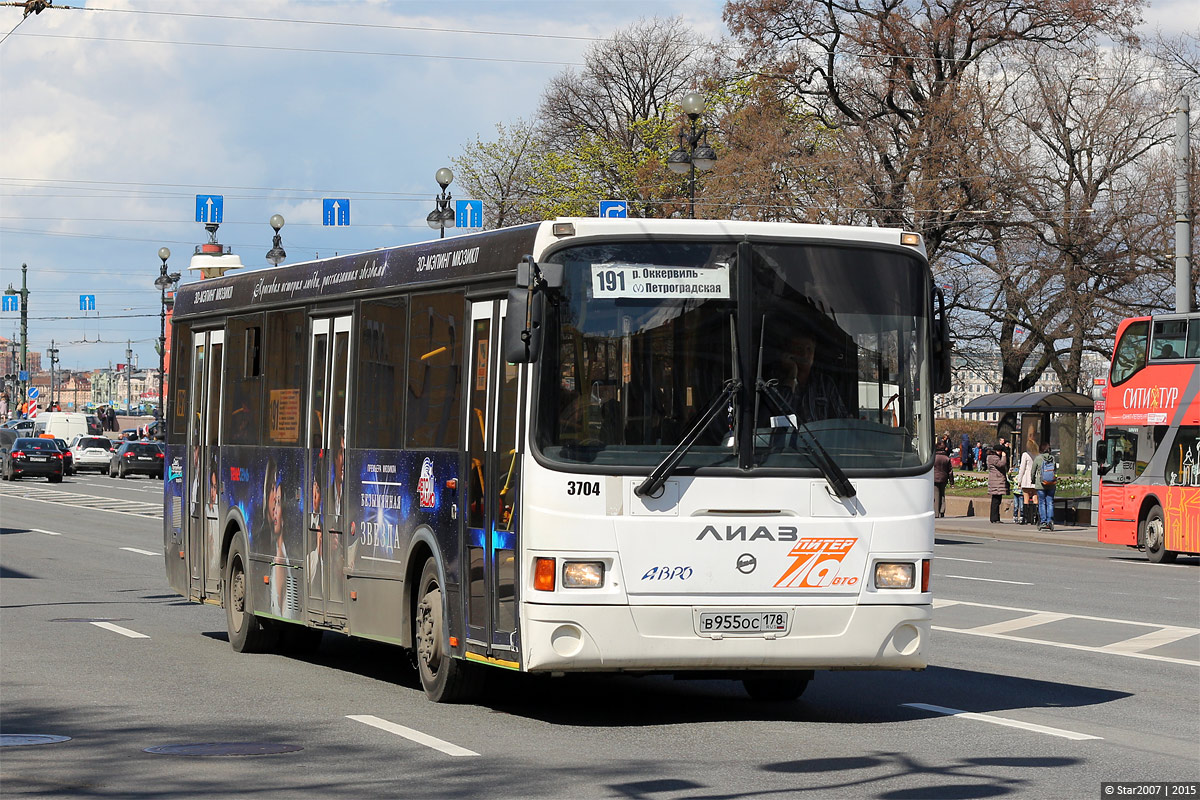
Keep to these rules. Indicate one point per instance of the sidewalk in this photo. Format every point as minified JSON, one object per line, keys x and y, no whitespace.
{"x":957,"y":521}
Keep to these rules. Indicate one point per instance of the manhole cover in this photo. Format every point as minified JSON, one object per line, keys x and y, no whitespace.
{"x":224,"y":749}
{"x":19,"y":739}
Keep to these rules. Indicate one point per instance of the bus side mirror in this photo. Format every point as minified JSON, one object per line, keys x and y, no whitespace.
{"x":1101,"y":452}
{"x":940,"y":346}
{"x":522,"y":335}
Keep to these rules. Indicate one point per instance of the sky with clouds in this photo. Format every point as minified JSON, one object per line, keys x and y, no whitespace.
{"x":116,"y":115}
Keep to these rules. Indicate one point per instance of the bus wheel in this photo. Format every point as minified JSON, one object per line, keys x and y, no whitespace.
{"x":777,"y":687}
{"x":247,"y":633}
{"x":444,"y":678}
{"x":1154,"y":535}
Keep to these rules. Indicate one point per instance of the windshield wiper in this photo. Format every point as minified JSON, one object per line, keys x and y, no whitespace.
{"x":655,"y":480}
{"x":829,"y":468}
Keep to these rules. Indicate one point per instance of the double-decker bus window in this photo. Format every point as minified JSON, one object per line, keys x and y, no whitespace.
{"x":243,"y":380}
{"x":436,"y":328}
{"x":379,"y":401}
{"x":1183,"y":459}
{"x":1126,"y":451}
{"x":1170,"y":337}
{"x":286,"y":337}
{"x":181,"y":354}
{"x":1130,"y":355}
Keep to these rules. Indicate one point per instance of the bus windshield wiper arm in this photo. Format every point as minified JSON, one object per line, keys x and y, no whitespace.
{"x":829,"y":468}
{"x":655,"y":480}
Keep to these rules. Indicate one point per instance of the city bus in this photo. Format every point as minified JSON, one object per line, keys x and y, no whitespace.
{"x":1148,"y":459}
{"x":569,"y":446}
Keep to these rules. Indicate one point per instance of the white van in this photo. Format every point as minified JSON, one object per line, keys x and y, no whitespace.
{"x":65,"y":425}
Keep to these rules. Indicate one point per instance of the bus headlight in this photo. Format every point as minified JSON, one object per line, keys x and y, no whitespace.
{"x":892,"y":575}
{"x":582,"y":574}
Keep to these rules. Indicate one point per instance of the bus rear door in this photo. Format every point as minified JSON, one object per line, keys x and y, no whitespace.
{"x":203,"y":480}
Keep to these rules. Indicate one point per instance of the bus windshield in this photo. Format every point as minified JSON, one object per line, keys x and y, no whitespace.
{"x":642,"y":339}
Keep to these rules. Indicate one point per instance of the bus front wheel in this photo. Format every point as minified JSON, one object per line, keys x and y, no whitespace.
{"x":777,"y":687}
{"x":247,"y":632}
{"x":1154,"y":536}
{"x":444,"y":678}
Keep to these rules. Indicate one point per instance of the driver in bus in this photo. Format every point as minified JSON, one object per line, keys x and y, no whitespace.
{"x":812,"y":395}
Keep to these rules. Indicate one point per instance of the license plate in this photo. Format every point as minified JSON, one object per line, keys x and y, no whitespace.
{"x":746,"y":623}
{"x":38,"y":458}
{"x":145,"y":458}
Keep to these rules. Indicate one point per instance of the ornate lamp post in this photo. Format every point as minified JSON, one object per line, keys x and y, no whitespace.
{"x":694,"y":158}
{"x":442,"y":216}
{"x":276,"y":254}
{"x":163,"y":282}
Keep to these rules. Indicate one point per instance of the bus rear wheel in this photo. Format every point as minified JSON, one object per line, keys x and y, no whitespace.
{"x":444,"y":678}
{"x":1154,"y":537}
{"x":777,"y":687}
{"x":247,"y":632}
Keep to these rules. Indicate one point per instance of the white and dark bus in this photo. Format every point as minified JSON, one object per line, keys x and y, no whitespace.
{"x":586,"y":445}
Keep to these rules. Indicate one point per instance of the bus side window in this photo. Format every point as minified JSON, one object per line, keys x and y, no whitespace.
{"x":1169,"y":337}
{"x":1183,"y":459}
{"x":1193,"y":339}
{"x":1130,"y":354}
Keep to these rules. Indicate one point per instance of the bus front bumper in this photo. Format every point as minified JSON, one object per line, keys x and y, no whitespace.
{"x":562,"y":638}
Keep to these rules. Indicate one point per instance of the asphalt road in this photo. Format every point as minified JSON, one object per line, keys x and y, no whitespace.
{"x":1077,"y":664}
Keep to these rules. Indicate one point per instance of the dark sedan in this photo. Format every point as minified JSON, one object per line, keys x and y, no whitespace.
{"x":33,"y":457}
{"x":133,"y":458}
{"x":68,"y":456}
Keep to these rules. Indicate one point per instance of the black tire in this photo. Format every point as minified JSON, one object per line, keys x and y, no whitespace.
{"x":1153,"y":536}
{"x":777,"y":687}
{"x":444,"y":678}
{"x":121,"y":471}
{"x":248,"y":633}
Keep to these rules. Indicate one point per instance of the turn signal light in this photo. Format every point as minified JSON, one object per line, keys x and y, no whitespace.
{"x":911,"y":239}
{"x":925,"y":569}
{"x":543,"y":574}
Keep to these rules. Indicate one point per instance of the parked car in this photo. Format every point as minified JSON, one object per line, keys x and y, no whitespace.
{"x":68,"y":456}
{"x":92,"y":452}
{"x":132,"y":458}
{"x":23,"y":426}
{"x":33,"y":457}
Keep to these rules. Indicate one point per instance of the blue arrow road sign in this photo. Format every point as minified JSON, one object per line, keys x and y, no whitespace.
{"x":33,"y":393}
{"x":614,"y":208}
{"x":336,"y":211}
{"x":12,"y":302}
{"x":87,"y":302}
{"x":23,"y":376}
{"x":209,"y":208}
{"x":468,"y":213}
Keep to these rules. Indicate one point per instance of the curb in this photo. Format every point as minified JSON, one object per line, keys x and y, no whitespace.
{"x":1083,"y":537}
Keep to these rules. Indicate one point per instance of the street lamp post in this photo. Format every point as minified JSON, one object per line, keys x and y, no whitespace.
{"x":276,"y":254}
{"x":53,"y":354}
{"x":163,"y":281}
{"x":24,"y":294}
{"x":694,"y":158}
{"x":442,"y":216}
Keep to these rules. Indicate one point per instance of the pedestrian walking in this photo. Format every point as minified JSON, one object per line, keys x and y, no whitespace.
{"x":1028,"y":489}
{"x":943,"y":474}
{"x":997,"y":472}
{"x":1046,"y":473}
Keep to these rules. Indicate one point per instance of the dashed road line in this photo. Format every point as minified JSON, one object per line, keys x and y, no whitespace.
{"x":1005,"y":721}
{"x":968,"y":560}
{"x":143,"y":552}
{"x":425,"y":739}
{"x":987,"y":580}
{"x":108,"y":626}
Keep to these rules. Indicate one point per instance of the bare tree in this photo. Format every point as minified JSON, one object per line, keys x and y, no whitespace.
{"x":501,"y":174}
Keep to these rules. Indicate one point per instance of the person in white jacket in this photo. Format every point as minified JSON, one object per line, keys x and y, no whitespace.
{"x":1029,"y":487}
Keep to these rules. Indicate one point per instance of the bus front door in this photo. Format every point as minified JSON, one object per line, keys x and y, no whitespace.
{"x":329,"y":371}
{"x":492,"y":480}
{"x":203,"y":477}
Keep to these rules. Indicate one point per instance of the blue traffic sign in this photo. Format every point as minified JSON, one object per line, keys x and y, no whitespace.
{"x":12,"y":302}
{"x":33,"y":392}
{"x":87,"y":302}
{"x":336,"y":211}
{"x":23,"y":375}
{"x":468,"y":213}
{"x":614,"y":208}
{"x":210,"y":208}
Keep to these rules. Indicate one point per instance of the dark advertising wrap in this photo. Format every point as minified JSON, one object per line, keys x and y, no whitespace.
{"x":444,"y":259}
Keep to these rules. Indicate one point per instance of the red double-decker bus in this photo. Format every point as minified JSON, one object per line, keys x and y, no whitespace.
{"x":1149,"y":458}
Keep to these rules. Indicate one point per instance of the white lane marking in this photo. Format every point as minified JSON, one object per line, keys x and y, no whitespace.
{"x":969,"y":560}
{"x":1146,"y":641}
{"x":48,"y":533}
{"x":1107,"y":649}
{"x":940,"y":603}
{"x":143,"y":552}
{"x":989,"y":580}
{"x":1010,"y":723}
{"x":108,"y":626}
{"x":1009,"y":625}
{"x":1039,"y":611}
{"x":412,"y":735}
{"x":1149,"y":564}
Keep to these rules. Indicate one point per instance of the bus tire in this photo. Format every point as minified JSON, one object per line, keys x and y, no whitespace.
{"x":247,"y":632}
{"x":1154,"y":537}
{"x":777,"y":687}
{"x":444,"y":678}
